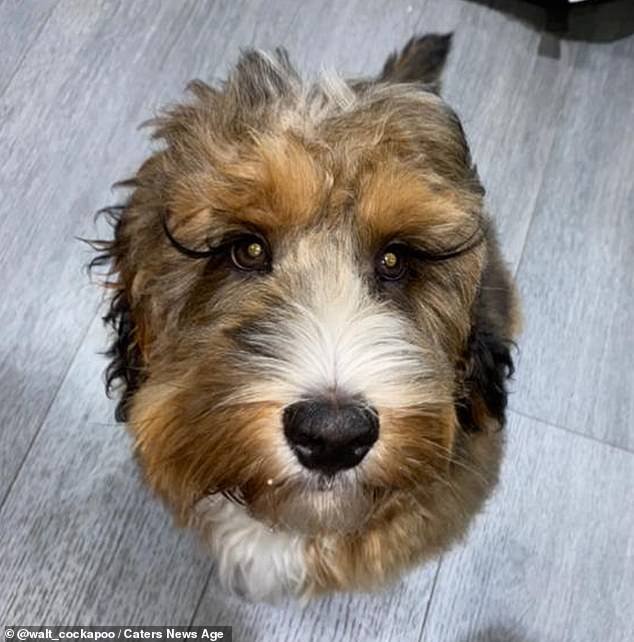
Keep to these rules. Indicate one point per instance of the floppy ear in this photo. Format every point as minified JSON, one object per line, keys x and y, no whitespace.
{"x":421,"y":60}
{"x":125,"y":370}
{"x":488,"y":361}
{"x":489,"y":365}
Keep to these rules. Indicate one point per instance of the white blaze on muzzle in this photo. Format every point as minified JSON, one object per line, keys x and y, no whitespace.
{"x":333,"y":338}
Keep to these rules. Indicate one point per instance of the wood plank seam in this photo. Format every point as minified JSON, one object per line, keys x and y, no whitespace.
{"x":45,"y":415}
{"x":431,"y":597}
{"x":570,"y":431}
{"x":543,"y":179}
{"x":19,"y":63}
{"x":201,"y":597}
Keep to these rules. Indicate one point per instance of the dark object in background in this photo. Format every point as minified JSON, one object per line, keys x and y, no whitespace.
{"x":590,"y":20}
{"x":558,"y":12}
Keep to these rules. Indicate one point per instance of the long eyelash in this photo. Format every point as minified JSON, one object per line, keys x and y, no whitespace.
{"x":192,"y":254}
{"x":471,"y":243}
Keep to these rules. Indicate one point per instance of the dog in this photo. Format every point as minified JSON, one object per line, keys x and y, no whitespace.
{"x":313,"y":323}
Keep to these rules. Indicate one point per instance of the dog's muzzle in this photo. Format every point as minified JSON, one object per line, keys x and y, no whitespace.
{"x":330,"y":435}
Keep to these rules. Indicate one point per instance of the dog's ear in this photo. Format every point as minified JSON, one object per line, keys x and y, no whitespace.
{"x":126,"y":363}
{"x":125,"y":369}
{"x":488,"y":363}
{"x":421,"y":60}
{"x":488,"y":366}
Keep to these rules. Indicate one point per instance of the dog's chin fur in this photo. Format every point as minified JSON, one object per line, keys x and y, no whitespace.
{"x":209,"y":352}
{"x":344,"y":538}
{"x":314,"y":507}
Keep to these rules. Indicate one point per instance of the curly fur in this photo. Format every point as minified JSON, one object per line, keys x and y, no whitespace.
{"x":206,"y":357}
{"x":124,"y":372}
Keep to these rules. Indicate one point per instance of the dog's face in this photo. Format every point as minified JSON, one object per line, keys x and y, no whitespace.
{"x":297,"y":270}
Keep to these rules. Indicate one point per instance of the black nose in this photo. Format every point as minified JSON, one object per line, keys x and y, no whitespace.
{"x":328,"y":435}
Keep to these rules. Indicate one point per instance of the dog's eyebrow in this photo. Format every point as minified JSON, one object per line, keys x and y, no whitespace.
{"x":421,"y":248}
{"x":216,"y":247}
{"x":476,"y":238}
{"x":192,"y":254}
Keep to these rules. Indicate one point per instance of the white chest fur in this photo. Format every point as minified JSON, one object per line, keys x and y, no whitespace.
{"x":251,"y":559}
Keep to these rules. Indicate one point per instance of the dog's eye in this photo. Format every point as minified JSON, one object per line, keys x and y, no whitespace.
{"x":250,"y":253}
{"x":391,"y":263}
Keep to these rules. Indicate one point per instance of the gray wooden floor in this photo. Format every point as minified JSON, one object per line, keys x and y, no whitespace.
{"x":81,"y":541}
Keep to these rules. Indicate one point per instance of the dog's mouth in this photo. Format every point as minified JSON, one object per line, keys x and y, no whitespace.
{"x":325,"y":483}
{"x":316,"y":503}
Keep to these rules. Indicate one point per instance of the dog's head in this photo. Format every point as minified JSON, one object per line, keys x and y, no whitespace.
{"x":297,"y":276}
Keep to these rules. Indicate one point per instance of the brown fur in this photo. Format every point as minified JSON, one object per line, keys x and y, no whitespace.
{"x":347,"y":168}
{"x":410,"y":527}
